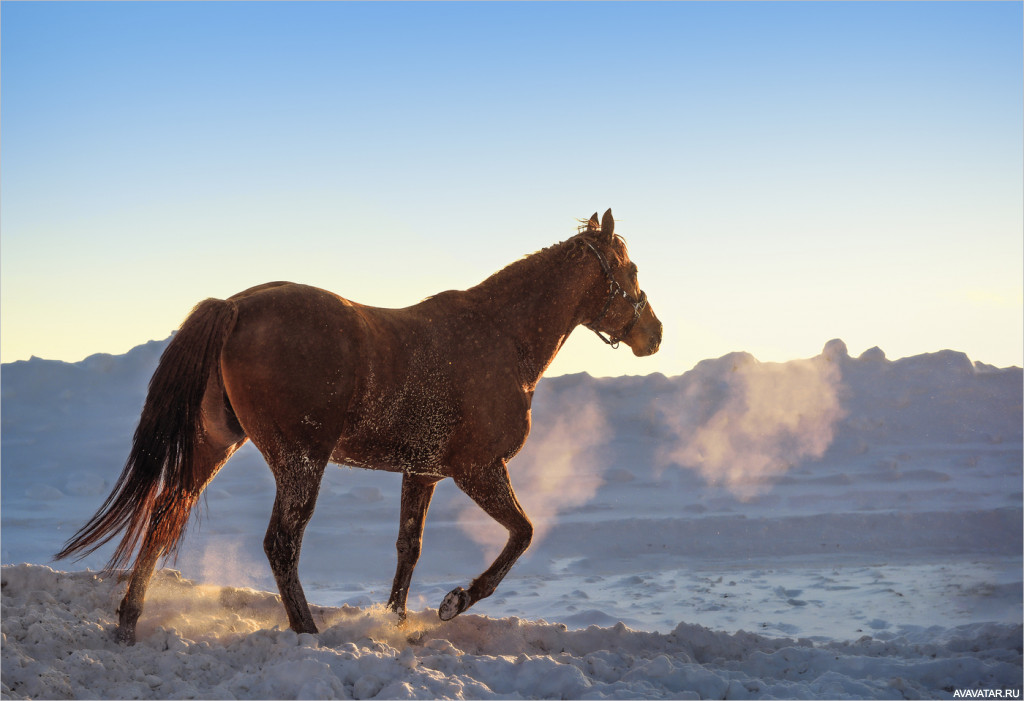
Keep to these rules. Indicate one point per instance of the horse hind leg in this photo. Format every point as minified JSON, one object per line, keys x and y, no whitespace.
{"x":298,"y":484}
{"x":209,"y":461}
{"x":130,"y":608}
{"x":492,"y":491}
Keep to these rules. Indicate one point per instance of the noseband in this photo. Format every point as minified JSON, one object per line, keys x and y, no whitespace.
{"x":614,"y":288}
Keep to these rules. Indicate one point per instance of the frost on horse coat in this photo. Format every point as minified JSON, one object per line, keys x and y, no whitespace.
{"x":439,"y":389}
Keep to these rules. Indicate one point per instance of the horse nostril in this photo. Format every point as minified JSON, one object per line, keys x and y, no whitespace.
{"x":655,"y":343}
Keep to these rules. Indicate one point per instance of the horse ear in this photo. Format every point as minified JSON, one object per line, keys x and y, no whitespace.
{"x":592,"y":225}
{"x":607,"y":224}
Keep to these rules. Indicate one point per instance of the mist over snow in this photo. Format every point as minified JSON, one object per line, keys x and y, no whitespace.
{"x":830,"y":527}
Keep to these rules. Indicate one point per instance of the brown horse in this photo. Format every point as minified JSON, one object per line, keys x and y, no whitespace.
{"x":439,"y":389}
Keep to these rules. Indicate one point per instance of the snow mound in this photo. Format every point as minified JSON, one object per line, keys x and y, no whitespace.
{"x":862,"y":515}
{"x":221,"y":642}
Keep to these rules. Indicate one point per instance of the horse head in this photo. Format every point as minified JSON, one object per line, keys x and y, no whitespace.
{"x":623,"y":312}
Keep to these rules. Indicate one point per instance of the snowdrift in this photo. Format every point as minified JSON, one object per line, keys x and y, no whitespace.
{"x":827,"y":527}
{"x":220,"y":642}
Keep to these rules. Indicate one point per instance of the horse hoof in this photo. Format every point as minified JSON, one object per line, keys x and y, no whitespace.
{"x":454,"y":603}
{"x":401,"y":619}
{"x":125,"y":636}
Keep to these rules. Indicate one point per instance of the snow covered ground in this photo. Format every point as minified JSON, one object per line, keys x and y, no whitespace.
{"x":824,"y":528}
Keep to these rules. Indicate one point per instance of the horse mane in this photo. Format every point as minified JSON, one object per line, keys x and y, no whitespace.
{"x":571,"y":248}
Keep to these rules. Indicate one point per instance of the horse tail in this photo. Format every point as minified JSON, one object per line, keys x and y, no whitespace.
{"x":161,"y":481}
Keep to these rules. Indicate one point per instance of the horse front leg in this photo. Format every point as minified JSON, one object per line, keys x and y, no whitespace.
{"x":491,"y":490}
{"x":416,"y":495}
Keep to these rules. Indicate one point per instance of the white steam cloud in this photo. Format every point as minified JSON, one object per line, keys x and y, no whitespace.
{"x":738,"y":422}
{"x":753,"y":421}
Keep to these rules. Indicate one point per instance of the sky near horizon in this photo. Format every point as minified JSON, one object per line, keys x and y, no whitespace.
{"x":784,"y":173}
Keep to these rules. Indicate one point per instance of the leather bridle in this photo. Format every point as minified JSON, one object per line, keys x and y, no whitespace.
{"x":615,"y":289}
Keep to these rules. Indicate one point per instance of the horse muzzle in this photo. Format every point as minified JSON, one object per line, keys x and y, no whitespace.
{"x":645,"y":338}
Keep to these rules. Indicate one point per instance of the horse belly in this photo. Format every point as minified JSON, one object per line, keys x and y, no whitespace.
{"x":390,"y":454}
{"x":401,"y":432}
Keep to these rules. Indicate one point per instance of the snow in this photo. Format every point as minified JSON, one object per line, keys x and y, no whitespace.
{"x":233,"y":643}
{"x":831,"y":527}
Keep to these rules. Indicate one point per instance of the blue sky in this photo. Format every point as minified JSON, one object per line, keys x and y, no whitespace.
{"x":784,"y":173}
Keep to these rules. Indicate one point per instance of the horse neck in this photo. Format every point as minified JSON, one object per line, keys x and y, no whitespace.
{"x":538,"y":301}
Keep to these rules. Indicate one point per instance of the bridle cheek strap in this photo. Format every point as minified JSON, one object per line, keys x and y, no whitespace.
{"x":614,"y":288}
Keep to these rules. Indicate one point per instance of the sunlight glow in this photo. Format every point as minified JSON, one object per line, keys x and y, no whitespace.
{"x":784,"y":173}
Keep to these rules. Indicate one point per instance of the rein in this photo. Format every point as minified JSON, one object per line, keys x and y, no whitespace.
{"x":614,"y":288}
